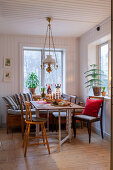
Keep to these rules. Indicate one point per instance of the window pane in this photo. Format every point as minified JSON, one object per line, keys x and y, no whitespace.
{"x":56,"y":76}
{"x":104,"y":64}
{"x":32,"y":63}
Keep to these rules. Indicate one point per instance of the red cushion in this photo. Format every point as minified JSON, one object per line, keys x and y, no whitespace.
{"x":92,"y":107}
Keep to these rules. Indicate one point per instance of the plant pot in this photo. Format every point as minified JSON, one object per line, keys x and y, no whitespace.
{"x":103,"y":93}
{"x":97,"y":91}
{"x":32,"y":90}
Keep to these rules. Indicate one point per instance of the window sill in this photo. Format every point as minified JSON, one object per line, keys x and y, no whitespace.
{"x":106,"y":98}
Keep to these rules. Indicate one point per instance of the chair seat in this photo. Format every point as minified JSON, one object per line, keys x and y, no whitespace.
{"x":85,"y":117}
{"x":62,"y":114}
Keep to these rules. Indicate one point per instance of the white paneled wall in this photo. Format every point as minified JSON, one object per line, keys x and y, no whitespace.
{"x":84,"y":41}
{"x":11,"y":45}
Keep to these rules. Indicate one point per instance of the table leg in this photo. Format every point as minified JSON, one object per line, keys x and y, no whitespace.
{"x":48,"y":120}
{"x":37,"y":126}
{"x":69,"y":125}
{"x":66,"y":121}
{"x":59,"y":132}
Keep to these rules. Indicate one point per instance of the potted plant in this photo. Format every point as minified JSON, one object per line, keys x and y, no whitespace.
{"x":32,"y":82}
{"x":103,"y":91}
{"x":43,"y":92}
{"x":94,"y":81}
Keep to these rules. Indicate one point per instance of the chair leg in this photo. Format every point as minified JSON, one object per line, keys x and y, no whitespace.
{"x":43,"y":134}
{"x":74,"y":127}
{"x":25,"y":135}
{"x":101,"y":127}
{"x":89,"y":131}
{"x":27,"y":139}
{"x":44,"y":130}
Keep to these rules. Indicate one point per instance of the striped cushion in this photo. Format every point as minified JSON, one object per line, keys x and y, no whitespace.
{"x":11,"y":103}
{"x":26,"y":97}
{"x":17,"y":97}
{"x":23,"y":101}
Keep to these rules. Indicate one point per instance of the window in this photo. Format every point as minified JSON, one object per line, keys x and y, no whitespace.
{"x":32,"y":63}
{"x":104,"y":63}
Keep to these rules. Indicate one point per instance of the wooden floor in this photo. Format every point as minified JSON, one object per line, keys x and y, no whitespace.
{"x":77,"y":155}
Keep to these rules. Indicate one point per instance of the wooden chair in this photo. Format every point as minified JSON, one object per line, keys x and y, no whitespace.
{"x":34,"y":121}
{"x":23,"y":111}
{"x":89,"y":119}
{"x":22,"y":117}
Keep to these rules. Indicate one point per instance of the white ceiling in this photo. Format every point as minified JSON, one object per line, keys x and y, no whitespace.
{"x":70,"y":17}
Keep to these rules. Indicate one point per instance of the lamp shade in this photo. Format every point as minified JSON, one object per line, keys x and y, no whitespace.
{"x":49,"y":60}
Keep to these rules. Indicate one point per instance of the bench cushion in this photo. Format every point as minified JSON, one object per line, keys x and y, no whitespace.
{"x":62,"y":114}
{"x":18,"y":112}
{"x":11,"y":103}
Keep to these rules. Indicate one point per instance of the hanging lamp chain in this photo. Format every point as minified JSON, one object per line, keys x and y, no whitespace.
{"x":45,"y":41}
{"x":49,"y":36}
{"x":53,"y":45}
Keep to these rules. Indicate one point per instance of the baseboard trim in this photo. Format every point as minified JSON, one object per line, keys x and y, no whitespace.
{"x":106,"y":135}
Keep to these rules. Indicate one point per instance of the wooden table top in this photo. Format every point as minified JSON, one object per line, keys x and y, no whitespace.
{"x":53,"y":107}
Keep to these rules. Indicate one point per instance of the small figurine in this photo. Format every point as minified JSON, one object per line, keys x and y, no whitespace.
{"x":58,"y":91}
{"x":49,"y":89}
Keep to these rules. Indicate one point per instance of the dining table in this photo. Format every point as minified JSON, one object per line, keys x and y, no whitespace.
{"x":50,"y":107}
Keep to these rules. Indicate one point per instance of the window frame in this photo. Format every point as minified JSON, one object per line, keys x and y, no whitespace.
{"x":109,"y":63}
{"x":42,"y":70}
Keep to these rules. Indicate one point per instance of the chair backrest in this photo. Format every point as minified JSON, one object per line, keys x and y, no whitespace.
{"x":28,"y":111}
{"x":101,"y":107}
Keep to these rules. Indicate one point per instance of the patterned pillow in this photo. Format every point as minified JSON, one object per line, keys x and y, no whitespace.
{"x":11,"y":103}
{"x":26,"y":97}
{"x":17,"y":97}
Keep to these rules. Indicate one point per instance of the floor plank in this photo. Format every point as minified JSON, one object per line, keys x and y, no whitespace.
{"x":77,"y":155}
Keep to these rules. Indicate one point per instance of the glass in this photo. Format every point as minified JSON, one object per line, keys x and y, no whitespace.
{"x":104,"y":64}
{"x":32,"y":63}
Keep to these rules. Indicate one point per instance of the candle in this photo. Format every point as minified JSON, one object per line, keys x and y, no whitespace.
{"x":58,"y":95}
{"x":52,"y":95}
{"x":55,"y":93}
{"x":49,"y":96}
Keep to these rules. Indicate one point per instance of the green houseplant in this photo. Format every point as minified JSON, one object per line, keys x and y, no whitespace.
{"x":32,"y":82}
{"x":94,"y":81}
{"x":103,"y":91}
